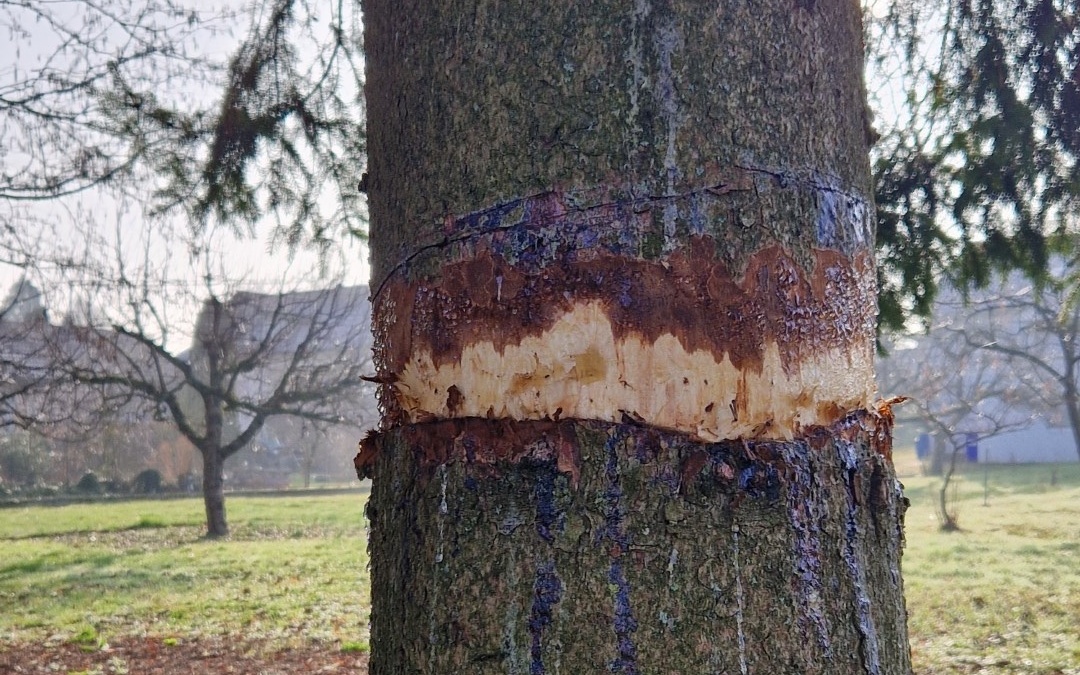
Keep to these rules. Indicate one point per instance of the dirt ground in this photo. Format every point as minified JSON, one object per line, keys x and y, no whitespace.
{"x":155,"y":656}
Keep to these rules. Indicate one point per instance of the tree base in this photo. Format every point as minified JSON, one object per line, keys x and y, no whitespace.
{"x":547,"y":547}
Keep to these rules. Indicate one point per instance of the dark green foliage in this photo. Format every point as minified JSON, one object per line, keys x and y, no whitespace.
{"x":89,"y":484}
{"x":984,"y":176}
{"x":147,"y":482}
{"x":287,"y":138}
{"x":20,"y":466}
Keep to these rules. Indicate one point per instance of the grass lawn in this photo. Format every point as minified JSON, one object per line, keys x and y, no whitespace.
{"x":1001,"y":596}
{"x":293,"y":572}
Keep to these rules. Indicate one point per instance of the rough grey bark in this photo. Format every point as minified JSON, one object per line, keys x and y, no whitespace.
{"x":663,"y":555}
{"x":475,"y":104}
{"x":693,"y":175}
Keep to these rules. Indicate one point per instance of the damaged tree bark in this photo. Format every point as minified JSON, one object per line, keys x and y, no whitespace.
{"x":625,"y":329}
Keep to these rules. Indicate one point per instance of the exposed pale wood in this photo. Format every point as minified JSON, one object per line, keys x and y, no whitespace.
{"x":580,"y":369}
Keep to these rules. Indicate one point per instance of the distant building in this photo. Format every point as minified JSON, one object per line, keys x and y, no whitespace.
{"x":1037,"y":443}
{"x":135,"y":435}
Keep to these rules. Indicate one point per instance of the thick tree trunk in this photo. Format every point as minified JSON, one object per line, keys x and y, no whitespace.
{"x":654,"y":554}
{"x":625,"y":316}
{"x":214,"y":494}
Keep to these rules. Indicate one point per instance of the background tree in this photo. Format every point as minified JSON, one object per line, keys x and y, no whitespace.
{"x":248,"y":357}
{"x":152,"y":110}
{"x":625,"y":325}
{"x":64,"y":59}
{"x":141,"y":99}
{"x":958,"y":392}
{"x":977,"y":166}
{"x":1035,"y":329}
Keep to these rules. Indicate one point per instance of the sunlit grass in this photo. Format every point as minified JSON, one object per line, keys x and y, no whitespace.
{"x":1003,"y":594}
{"x":295,"y":568}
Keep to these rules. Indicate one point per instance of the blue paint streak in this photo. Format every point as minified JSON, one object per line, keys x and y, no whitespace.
{"x":614,"y":534}
{"x":807,"y":546}
{"x":698,"y":222}
{"x":828,"y":215}
{"x":547,"y":592}
{"x":746,"y":477}
{"x":487,"y":219}
{"x":871,"y":657}
{"x":625,"y":624}
{"x":548,"y":517}
{"x":547,"y":587}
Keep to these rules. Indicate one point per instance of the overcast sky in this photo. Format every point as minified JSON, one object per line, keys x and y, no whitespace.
{"x":63,"y":224}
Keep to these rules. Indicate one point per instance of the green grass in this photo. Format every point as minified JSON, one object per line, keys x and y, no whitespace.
{"x":1001,"y":596}
{"x":294,"y":568}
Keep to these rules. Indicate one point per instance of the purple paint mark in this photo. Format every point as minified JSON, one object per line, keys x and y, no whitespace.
{"x":848,"y":457}
{"x":547,"y":592}
{"x":624,"y":623}
{"x":624,"y":293}
{"x":588,"y":239}
{"x":554,"y":227}
{"x":760,"y":480}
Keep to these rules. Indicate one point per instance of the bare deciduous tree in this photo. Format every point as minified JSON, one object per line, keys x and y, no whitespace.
{"x":214,"y":359}
{"x":159,"y":101}
{"x":1035,"y":328}
{"x":958,"y":390}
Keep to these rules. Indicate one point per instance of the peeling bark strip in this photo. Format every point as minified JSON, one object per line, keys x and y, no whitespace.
{"x":589,"y":319}
{"x":652,"y":553}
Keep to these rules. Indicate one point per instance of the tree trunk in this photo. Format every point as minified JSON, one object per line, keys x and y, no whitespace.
{"x":949,"y":522}
{"x":1072,"y":408}
{"x":655,"y":554}
{"x":214,"y":494}
{"x":214,"y":469}
{"x":625,"y":316}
